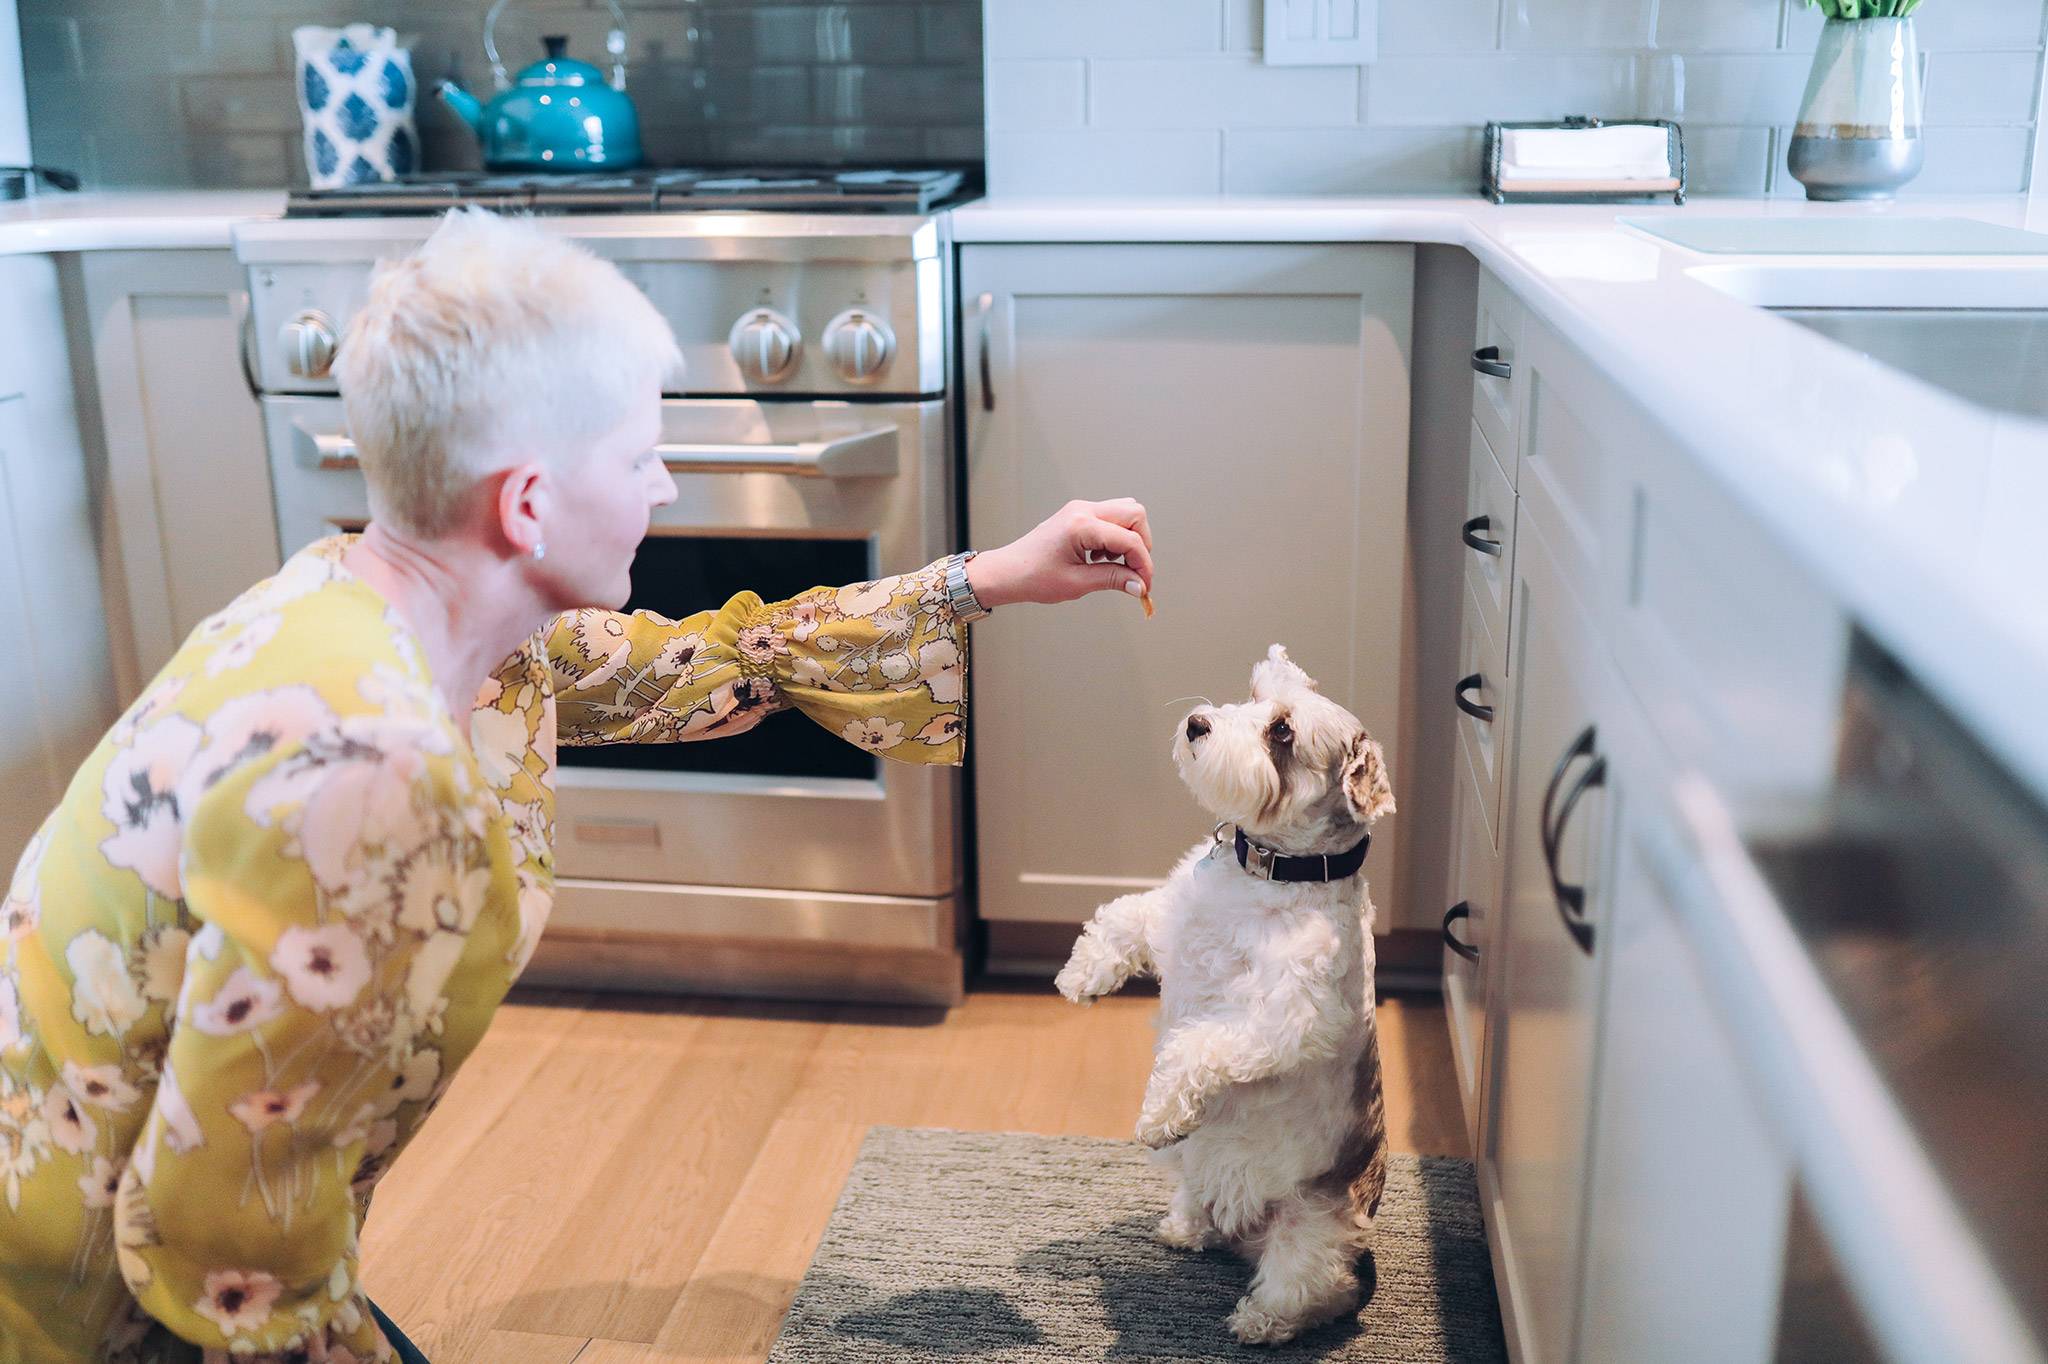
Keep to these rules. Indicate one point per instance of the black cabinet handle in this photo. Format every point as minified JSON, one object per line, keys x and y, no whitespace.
{"x":1571,"y":899}
{"x":1484,"y":714}
{"x":1487,"y":361}
{"x":1461,"y":910}
{"x":1470,"y":530}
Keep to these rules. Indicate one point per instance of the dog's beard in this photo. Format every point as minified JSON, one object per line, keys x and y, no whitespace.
{"x":1232,"y":780}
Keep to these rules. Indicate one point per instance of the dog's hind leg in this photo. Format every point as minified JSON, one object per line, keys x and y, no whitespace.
{"x":1307,"y":1272}
{"x":1370,"y":1183}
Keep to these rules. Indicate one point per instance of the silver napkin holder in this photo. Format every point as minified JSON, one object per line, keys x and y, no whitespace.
{"x":1571,"y":190}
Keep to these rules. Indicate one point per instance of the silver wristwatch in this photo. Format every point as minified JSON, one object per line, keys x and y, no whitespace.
{"x":959,"y":592}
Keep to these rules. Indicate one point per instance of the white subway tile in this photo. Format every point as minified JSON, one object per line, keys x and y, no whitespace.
{"x":1049,"y":94}
{"x":1763,"y":88}
{"x":1444,"y":91}
{"x":1362,"y":161}
{"x":1106,"y":161}
{"x":1439,"y":25}
{"x":1727,"y":160}
{"x":1720,"y":26}
{"x":1243,"y":29}
{"x":1578,"y":23}
{"x":1976,"y":23}
{"x":1974,"y":161}
{"x":1102,"y":28}
{"x":1229,"y":92}
{"x":1982,"y":87}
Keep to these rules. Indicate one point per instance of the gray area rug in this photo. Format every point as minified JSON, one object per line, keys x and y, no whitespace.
{"x":998,"y":1248}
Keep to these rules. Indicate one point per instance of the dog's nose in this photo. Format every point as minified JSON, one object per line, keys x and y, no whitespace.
{"x":1197,"y":727}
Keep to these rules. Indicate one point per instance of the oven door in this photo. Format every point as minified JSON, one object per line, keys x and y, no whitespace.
{"x":774,"y":498}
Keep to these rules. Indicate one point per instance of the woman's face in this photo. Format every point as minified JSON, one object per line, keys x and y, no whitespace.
{"x":606,"y":500}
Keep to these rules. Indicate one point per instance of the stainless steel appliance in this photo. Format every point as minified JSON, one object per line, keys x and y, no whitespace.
{"x":811,"y":444}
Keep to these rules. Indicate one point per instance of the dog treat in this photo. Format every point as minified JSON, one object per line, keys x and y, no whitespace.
{"x":1145,"y":600}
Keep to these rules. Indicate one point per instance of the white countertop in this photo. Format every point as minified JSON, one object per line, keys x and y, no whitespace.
{"x":111,"y":220}
{"x":1917,"y":509}
{"x":1921,"y":512}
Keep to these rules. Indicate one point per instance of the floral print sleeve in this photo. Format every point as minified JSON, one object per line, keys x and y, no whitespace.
{"x":882,"y":664}
{"x":338,"y":882}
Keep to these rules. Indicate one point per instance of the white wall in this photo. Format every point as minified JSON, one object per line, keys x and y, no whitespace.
{"x":13,"y":101}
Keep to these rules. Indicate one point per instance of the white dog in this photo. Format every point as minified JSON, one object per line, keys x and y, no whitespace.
{"x":1265,"y":1087}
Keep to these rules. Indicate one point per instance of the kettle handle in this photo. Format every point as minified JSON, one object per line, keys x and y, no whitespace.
{"x":614,"y":43}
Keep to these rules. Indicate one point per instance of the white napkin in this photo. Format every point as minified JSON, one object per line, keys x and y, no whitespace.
{"x":1619,"y":152}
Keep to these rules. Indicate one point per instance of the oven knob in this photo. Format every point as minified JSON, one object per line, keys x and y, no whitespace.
{"x":309,"y":344}
{"x":859,"y":344}
{"x":765,"y":345}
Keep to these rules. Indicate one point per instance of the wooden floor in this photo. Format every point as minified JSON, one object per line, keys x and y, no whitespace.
{"x":618,"y":1181}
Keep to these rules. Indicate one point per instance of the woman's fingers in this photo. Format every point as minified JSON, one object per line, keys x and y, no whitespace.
{"x":1108,"y":538}
{"x":1127,"y":512}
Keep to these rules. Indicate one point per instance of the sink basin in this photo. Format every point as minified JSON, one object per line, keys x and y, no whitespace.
{"x":1995,"y":358}
{"x":1975,"y":327}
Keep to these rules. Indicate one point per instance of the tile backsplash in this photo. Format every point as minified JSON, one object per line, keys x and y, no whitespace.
{"x":199,"y":92}
{"x":1081,"y":96}
{"x":1170,"y":97}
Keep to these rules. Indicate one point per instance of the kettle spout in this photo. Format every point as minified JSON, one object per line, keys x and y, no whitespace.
{"x":464,"y":104}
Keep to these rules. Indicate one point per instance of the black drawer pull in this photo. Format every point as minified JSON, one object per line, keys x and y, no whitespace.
{"x":1483,"y":714}
{"x":1487,"y":361}
{"x":1461,"y":910}
{"x":1571,"y":899}
{"x":1470,"y":530}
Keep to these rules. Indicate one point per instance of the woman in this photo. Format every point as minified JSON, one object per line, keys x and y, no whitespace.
{"x":279,"y":904}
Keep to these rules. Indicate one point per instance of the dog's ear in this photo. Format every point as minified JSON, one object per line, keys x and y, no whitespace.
{"x":1366,"y":788}
{"x":1275,"y":672}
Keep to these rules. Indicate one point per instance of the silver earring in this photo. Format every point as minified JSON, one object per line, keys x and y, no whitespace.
{"x":540,"y":551}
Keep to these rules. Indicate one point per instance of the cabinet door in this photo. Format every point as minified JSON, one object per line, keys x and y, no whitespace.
{"x":60,"y":695}
{"x":1543,"y":995}
{"x":1687,"y":1200}
{"x":188,"y":498}
{"x":1255,"y":399}
{"x":1469,"y":929}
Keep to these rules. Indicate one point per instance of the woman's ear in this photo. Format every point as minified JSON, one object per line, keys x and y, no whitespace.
{"x":523,"y":504}
{"x":1366,"y":788}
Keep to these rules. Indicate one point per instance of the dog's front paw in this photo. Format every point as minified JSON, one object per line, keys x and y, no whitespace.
{"x":1254,"y":1325}
{"x":1080,"y":984}
{"x":1157,"y":1130}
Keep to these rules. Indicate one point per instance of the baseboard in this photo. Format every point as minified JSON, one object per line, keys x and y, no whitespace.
{"x":1409,"y":960}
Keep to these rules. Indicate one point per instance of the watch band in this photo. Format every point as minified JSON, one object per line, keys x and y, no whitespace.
{"x":960,"y":592}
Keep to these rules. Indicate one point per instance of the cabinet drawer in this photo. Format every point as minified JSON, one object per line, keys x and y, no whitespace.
{"x":1489,"y":520}
{"x":1497,"y":342}
{"x":1481,"y":700}
{"x":1474,"y":887}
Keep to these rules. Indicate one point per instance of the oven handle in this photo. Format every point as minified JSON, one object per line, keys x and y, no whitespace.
{"x":863,"y":454}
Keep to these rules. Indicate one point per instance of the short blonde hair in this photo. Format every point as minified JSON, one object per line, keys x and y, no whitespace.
{"x":494,"y":343}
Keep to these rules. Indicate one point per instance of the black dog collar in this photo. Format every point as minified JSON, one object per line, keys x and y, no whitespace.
{"x":1268,"y":865}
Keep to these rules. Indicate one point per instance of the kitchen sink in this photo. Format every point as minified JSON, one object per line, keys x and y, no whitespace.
{"x":1974,"y":327}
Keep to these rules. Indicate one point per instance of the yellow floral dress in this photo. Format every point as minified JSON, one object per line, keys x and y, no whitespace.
{"x":279,"y":904}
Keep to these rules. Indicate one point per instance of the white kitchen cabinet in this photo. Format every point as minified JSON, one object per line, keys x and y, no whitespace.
{"x":187,"y":521}
{"x":1256,"y":399}
{"x":60,"y":690}
{"x":1544,"y":994}
{"x":1690,"y":1182}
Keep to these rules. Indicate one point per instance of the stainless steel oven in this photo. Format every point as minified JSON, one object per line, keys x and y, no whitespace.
{"x":781,"y":861}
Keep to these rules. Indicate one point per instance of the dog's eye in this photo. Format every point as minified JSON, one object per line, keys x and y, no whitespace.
{"x":1281,"y":732}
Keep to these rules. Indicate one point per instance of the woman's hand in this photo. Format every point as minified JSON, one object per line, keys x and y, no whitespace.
{"x":1058,"y":561}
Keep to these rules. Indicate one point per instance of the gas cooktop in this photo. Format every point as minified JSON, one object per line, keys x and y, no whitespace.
{"x":783,"y":189}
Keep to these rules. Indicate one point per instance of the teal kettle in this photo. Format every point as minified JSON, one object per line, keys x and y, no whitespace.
{"x":558,"y":114}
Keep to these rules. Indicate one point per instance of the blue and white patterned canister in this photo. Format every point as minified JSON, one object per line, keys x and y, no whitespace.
{"x":356,"y":101}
